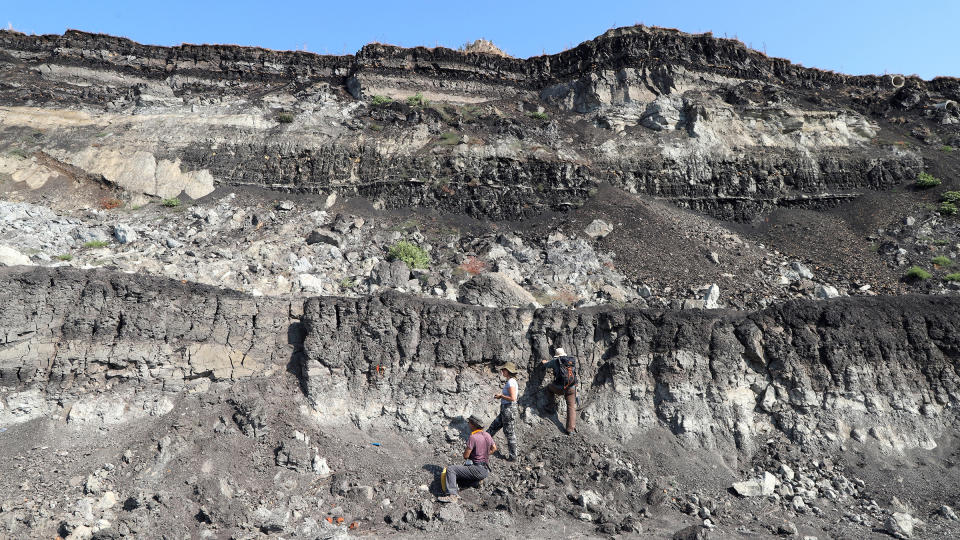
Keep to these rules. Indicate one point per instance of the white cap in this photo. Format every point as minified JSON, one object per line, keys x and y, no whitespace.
{"x":559,"y":352}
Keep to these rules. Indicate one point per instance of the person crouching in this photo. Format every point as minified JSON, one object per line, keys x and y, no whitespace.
{"x":477,"y":467}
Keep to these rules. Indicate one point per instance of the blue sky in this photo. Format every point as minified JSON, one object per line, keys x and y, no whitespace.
{"x":851,"y":36}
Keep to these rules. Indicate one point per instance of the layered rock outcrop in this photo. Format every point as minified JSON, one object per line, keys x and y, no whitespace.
{"x":700,"y":121}
{"x":819,"y":372}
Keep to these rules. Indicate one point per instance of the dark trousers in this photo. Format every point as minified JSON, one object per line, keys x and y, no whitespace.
{"x":571,"y":396}
{"x":507,"y":420}
{"x":468,"y":473}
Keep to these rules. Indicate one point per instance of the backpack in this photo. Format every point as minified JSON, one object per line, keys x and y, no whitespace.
{"x":565,"y":372}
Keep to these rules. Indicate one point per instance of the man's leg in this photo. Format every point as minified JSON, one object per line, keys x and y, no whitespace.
{"x":509,"y":415}
{"x":552,"y":392}
{"x":571,"y":410}
{"x":466,"y":473}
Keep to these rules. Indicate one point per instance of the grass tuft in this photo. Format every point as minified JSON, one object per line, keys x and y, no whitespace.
{"x":171,"y":203}
{"x":95,"y":244}
{"x":917,"y":274}
{"x":927,"y":180}
{"x":413,"y":255}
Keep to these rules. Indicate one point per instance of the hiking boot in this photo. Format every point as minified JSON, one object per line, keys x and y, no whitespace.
{"x":447,"y":499}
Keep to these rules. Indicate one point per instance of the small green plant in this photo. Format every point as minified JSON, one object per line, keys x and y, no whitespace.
{"x":95,"y":244}
{"x":951,"y":197}
{"x":946,"y":148}
{"x":65,"y":257}
{"x":450,"y":138}
{"x":375,"y":127}
{"x":348,"y":283}
{"x":918,"y":274}
{"x":948,"y":209}
{"x":926,"y":181}
{"x":940,"y":242}
{"x":537,"y":115}
{"x":19,"y":152}
{"x":379,"y":101}
{"x":171,"y":203}
{"x":952,"y":277}
{"x":942,"y":261}
{"x":285,"y":118}
{"x":417,"y":100}
{"x":413,"y":255}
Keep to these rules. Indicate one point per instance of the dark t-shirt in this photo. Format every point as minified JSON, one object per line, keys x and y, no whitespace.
{"x":479,"y":446}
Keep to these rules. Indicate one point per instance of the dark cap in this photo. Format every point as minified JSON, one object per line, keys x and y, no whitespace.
{"x":475,"y":420}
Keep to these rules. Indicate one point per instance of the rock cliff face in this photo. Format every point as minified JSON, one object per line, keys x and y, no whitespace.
{"x":700,"y":121}
{"x":66,"y":336}
{"x":819,"y":372}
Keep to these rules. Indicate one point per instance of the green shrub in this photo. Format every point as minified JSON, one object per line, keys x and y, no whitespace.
{"x":409,"y":253}
{"x":951,"y":197}
{"x":948,"y":209}
{"x":537,"y":115}
{"x":65,"y":257}
{"x":947,"y":148}
{"x":917,"y":273}
{"x":926,"y":180}
{"x":952,"y":277}
{"x":379,"y":101}
{"x":941,"y":261}
{"x":450,"y":138}
{"x":95,"y":244}
{"x":285,"y":118}
{"x":348,"y":283}
{"x":171,"y":203}
{"x":417,"y":100}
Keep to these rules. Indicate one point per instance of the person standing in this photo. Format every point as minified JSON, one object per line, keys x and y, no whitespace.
{"x":507,"y":419}
{"x":564,"y":384}
{"x":477,"y":467}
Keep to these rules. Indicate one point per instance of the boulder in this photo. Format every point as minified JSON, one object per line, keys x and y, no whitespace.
{"x":693,"y":532}
{"x":495,"y":290}
{"x":590,"y":500}
{"x":711,"y":297}
{"x":598,"y":229}
{"x":758,"y":487}
{"x":320,"y":236}
{"x":801,"y":270}
{"x":125,"y":234}
{"x":900,"y":525}
{"x":12,"y":257}
{"x":394,"y":274}
{"x":826,"y":291}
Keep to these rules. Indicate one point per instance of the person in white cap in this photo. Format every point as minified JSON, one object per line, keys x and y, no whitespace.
{"x":565,"y":384}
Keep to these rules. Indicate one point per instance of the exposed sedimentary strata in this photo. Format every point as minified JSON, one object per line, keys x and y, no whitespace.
{"x":703,"y":122}
{"x":815,"y":371}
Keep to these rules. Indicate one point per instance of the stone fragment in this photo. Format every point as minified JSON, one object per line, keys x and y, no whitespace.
{"x":319,"y":236}
{"x":801,"y":270}
{"x":495,"y":289}
{"x":598,"y":229}
{"x":124,"y":234}
{"x":452,"y":513}
{"x":12,"y":257}
{"x":787,"y":529}
{"x":590,"y":500}
{"x":711,"y":297}
{"x":900,"y":525}
{"x":693,"y":532}
{"x":826,"y":291}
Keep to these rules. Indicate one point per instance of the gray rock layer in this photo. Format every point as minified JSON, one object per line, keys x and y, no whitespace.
{"x":815,"y":371}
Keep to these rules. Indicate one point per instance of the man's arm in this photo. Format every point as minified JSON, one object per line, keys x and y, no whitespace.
{"x":469,"y":451}
{"x":493,"y":448}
